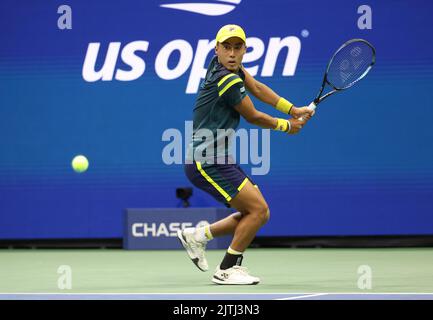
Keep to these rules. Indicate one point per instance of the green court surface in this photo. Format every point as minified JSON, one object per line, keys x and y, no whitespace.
{"x":403,"y":270}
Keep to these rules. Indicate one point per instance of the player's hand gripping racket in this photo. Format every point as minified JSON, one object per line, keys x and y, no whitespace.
{"x":349,"y":64}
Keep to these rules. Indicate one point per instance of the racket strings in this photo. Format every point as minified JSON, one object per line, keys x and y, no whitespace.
{"x":350,"y":64}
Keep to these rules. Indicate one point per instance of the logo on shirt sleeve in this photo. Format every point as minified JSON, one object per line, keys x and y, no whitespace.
{"x":242,"y":89}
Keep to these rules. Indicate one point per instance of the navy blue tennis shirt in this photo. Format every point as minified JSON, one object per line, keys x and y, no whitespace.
{"x":214,"y":110}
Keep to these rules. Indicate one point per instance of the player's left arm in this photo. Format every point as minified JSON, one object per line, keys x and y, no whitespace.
{"x":268,"y":96}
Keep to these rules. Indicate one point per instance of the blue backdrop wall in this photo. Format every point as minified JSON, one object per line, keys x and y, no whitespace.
{"x":362,"y":166}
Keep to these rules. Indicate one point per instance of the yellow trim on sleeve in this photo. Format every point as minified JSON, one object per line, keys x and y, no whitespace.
{"x":242,"y":184}
{"x":225,"y":78}
{"x":209,"y":179}
{"x":231,"y":83}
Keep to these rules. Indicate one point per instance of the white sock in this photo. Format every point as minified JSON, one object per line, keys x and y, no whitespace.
{"x":234,"y":252}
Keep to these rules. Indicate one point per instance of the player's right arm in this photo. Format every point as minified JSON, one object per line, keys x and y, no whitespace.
{"x":268,"y":96}
{"x":247,"y":110}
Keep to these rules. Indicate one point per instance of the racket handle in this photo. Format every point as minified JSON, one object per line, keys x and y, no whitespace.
{"x":312,"y":106}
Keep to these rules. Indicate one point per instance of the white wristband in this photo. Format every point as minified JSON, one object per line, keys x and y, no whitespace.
{"x":289,"y":126}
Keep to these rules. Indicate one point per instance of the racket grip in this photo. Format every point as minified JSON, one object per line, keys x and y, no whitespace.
{"x":312,"y":106}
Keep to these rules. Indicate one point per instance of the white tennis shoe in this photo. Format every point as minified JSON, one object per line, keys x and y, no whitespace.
{"x":234,"y":275}
{"x":194,"y":248}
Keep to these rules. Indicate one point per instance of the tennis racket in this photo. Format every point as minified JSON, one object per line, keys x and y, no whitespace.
{"x":349,"y":64}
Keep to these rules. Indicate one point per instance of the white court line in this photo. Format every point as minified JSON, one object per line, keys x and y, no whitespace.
{"x":149,"y":293}
{"x":215,"y":293}
{"x":348,"y":295}
{"x":304,"y":296}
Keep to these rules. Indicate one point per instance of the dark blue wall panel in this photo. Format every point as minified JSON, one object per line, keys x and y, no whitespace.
{"x":362,"y":166}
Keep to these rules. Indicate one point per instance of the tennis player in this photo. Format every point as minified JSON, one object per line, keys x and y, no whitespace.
{"x":221,"y":100}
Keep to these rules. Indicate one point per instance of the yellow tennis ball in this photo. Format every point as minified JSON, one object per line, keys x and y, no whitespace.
{"x":80,"y":163}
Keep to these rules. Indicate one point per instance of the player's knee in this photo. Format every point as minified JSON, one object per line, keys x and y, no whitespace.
{"x":263,"y":214}
{"x":259,"y":210}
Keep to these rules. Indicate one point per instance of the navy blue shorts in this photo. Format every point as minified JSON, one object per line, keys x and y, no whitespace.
{"x":222,"y":181}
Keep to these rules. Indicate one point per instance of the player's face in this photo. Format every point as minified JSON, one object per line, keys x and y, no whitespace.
{"x":230,"y":53}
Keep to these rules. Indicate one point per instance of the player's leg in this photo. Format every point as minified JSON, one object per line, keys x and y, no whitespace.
{"x":225,"y":226}
{"x":223,"y":182}
{"x":228,"y":225}
{"x":213,"y":180}
{"x":194,"y":240}
{"x":255,"y":213}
